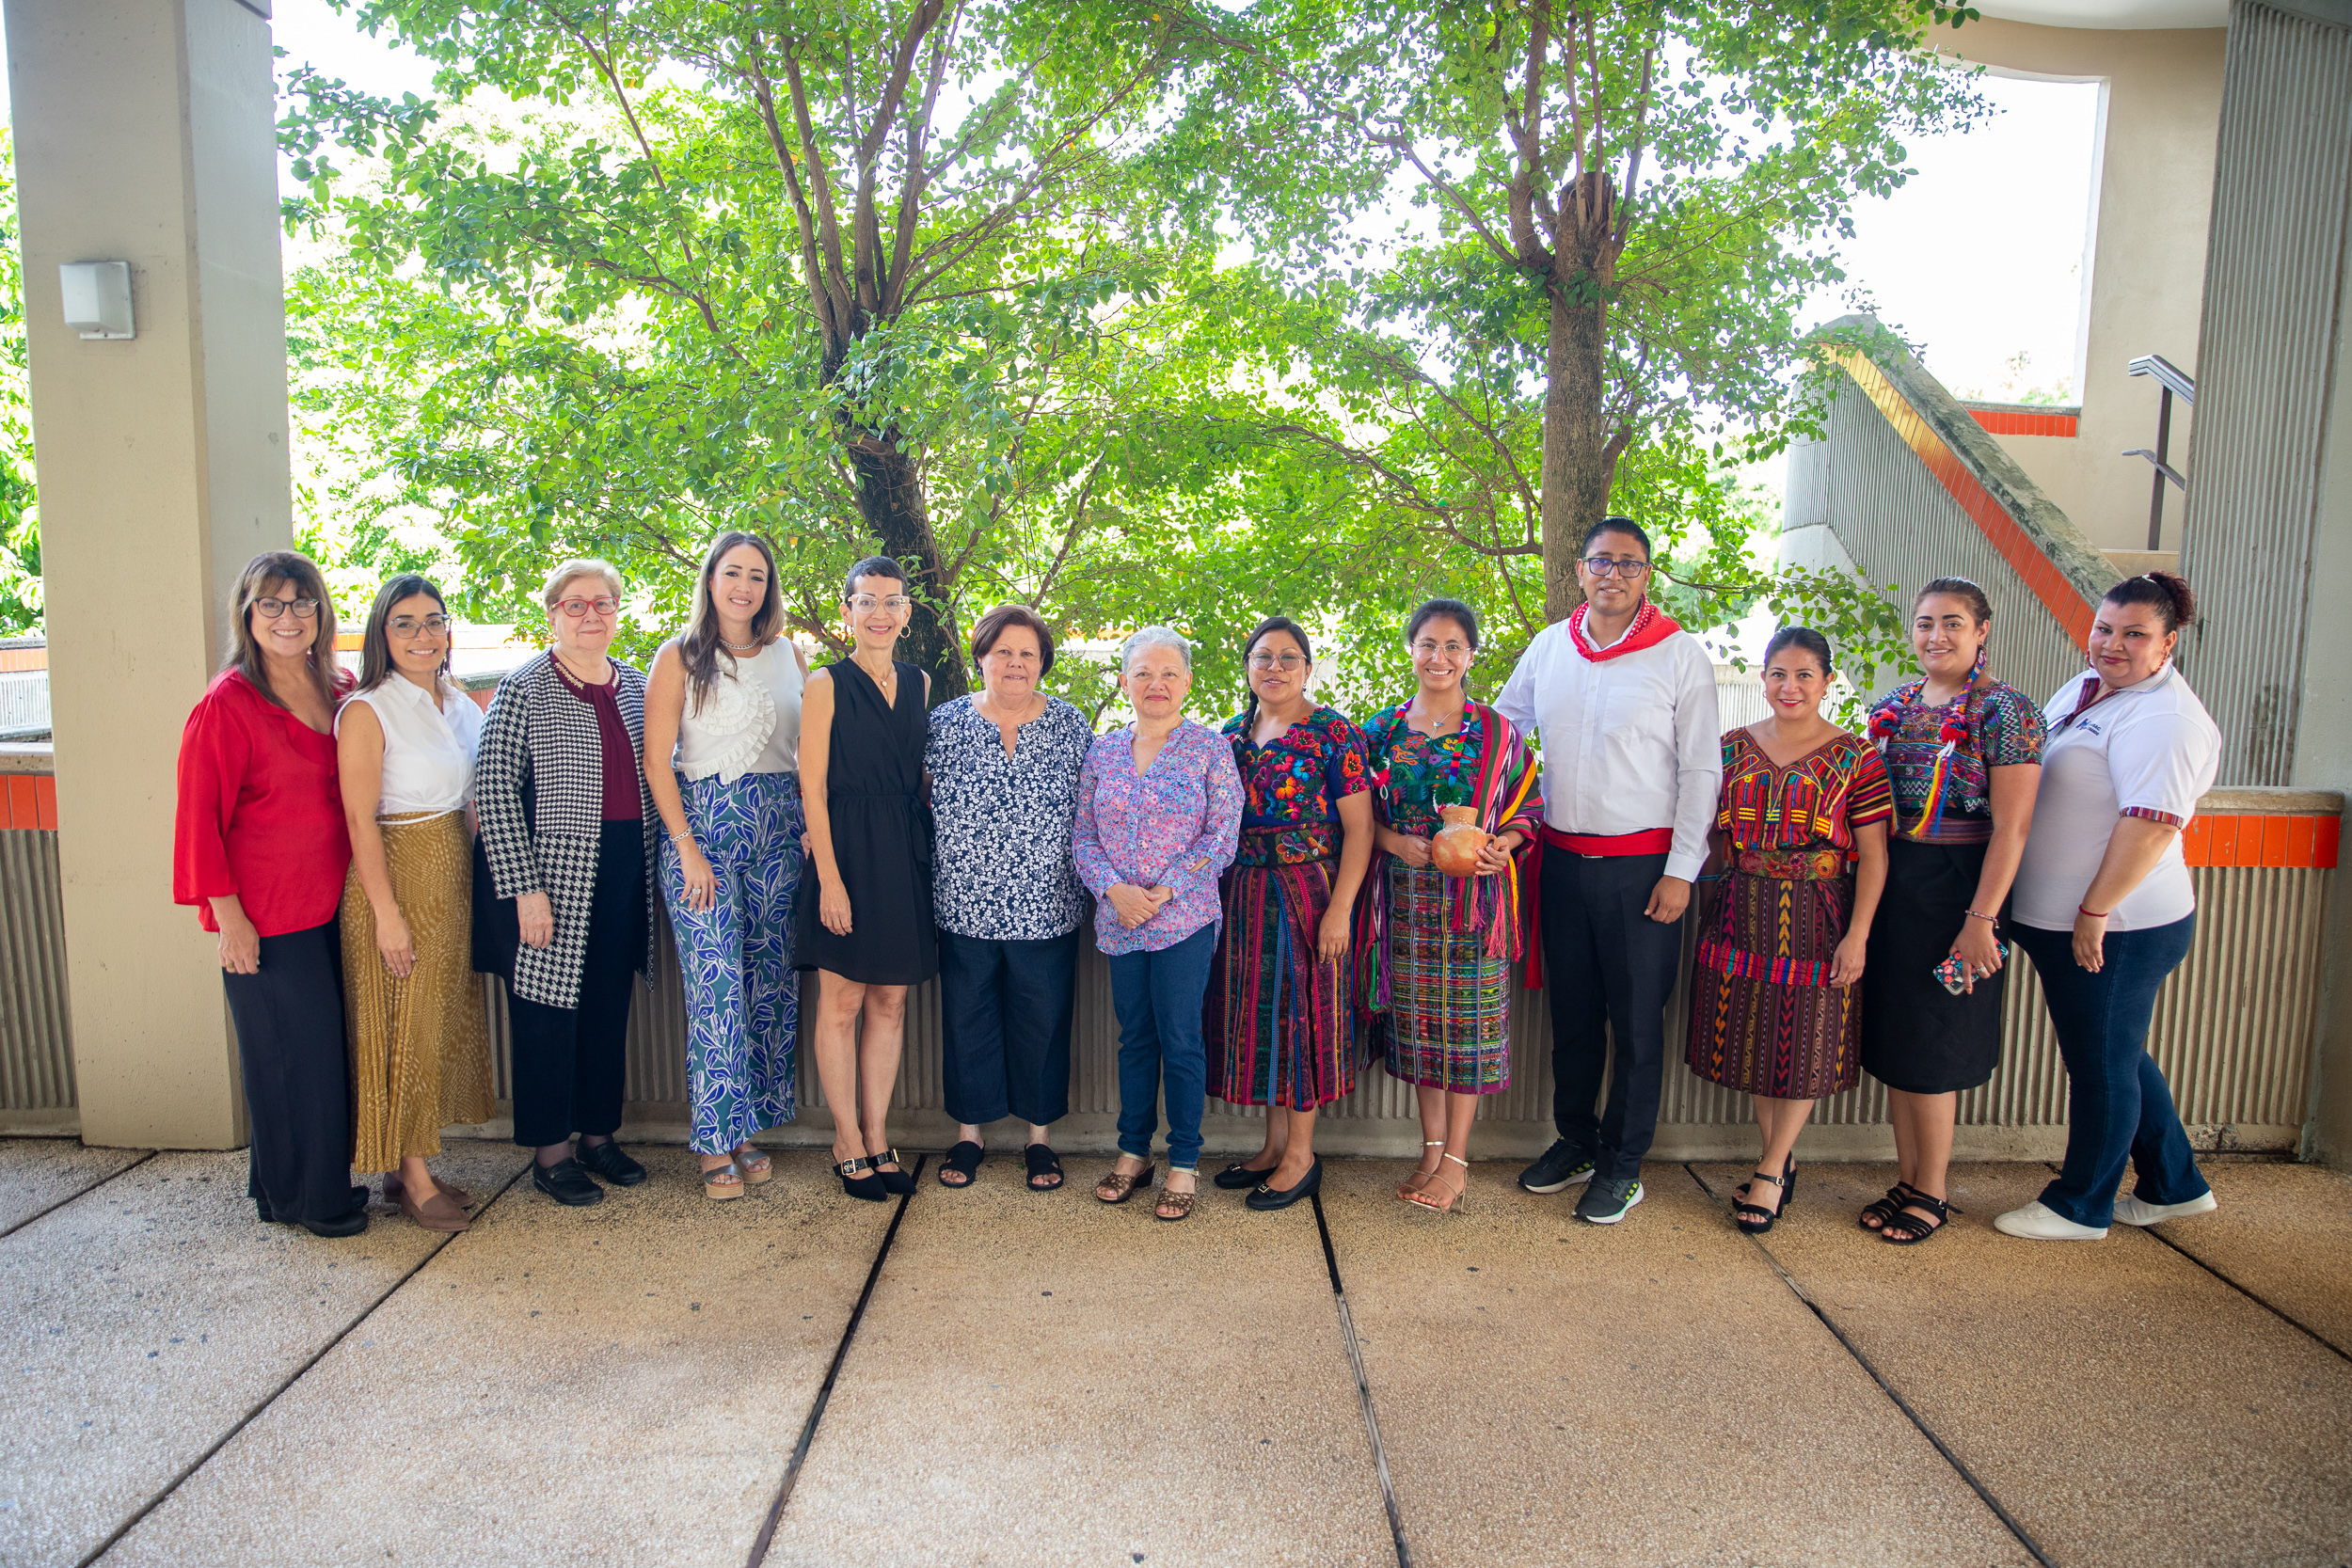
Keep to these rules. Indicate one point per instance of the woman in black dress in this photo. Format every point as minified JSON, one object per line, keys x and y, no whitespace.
{"x":863,"y":917}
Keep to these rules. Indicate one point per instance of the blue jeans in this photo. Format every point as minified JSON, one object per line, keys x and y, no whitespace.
{"x":2121,"y":1108}
{"x":1158,"y":998}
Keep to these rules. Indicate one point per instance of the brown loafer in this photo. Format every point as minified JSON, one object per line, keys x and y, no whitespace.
{"x":435,"y":1214}
{"x":394,"y":1186}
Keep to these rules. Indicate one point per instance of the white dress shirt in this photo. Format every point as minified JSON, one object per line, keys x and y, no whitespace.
{"x":1628,"y":744}
{"x":2146,"y":747}
{"x":428,"y":752}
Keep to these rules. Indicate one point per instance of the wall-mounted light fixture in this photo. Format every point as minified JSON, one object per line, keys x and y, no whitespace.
{"x":97,"y":298}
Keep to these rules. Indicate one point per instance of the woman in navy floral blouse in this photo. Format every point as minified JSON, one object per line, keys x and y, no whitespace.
{"x":1281,"y":1018}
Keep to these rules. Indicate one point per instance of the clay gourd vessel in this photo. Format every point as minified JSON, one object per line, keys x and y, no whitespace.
{"x":1454,"y":848}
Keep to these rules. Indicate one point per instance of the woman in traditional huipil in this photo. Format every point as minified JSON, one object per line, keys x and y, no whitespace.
{"x":724,"y":697}
{"x":1281,"y":1015}
{"x":420,"y":1047}
{"x":1436,"y":946}
{"x":1964,"y":755}
{"x":1774,"y":1008}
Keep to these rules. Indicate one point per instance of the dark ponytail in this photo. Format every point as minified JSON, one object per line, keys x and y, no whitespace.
{"x":1800,"y":637}
{"x":1266,"y":628}
{"x":2169,"y":592}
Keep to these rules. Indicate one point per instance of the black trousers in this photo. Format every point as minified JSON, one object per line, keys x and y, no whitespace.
{"x":571,"y":1063}
{"x":1004,"y":1013}
{"x":297,"y":1076}
{"x":1610,"y":969}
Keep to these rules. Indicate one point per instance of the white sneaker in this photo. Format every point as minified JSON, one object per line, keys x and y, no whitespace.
{"x":2037,"y":1222}
{"x":2131,"y":1210}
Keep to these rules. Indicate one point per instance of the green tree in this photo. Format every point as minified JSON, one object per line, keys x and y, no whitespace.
{"x":19,"y":513}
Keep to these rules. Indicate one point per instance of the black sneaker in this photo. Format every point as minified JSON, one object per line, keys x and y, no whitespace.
{"x":1563,"y":1165}
{"x":611,"y":1161}
{"x":1607,"y":1199}
{"x":565,"y":1182}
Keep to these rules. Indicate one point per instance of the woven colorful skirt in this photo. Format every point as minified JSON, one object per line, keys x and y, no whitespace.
{"x":1764,"y":1018}
{"x":1448,"y":1022}
{"x":1282,"y":1026}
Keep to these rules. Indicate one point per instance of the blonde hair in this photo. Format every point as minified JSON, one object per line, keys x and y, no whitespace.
{"x":302,"y":576}
{"x":579,"y":566}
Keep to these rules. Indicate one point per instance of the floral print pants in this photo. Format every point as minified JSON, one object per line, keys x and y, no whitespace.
{"x":743,"y":999}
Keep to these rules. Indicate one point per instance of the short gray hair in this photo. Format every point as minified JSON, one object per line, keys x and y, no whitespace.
{"x":1153,"y":637}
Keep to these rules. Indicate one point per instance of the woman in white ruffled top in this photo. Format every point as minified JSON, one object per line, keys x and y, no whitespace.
{"x":722,"y":739}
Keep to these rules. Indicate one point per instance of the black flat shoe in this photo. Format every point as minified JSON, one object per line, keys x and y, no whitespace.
{"x":359,"y":1196}
{"x":1234,"y":1178}
{"x":610,"y":1161}
{"x":341,"y":1226}
{"x":1265,"y":1196}
{"x":858,"y":1179}
{"x":565,"y":1182}
{"x":894,"y":1181}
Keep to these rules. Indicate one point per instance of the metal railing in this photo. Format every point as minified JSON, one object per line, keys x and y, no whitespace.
{"x":2176,"y":383}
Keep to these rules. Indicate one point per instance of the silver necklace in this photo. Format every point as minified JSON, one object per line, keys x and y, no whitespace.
{"x":740,"y":647}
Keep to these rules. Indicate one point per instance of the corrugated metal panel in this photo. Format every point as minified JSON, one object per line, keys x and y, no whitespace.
{"x":36,"y":1030}
{"x":2283,"y":197}
{"x":1901,"y":527}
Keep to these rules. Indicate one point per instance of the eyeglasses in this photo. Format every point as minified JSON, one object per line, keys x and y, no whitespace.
{"x":272,"y":609}
{"x":409,"y":625}
{"x":1628,"y":568}
{"x":862,"y":604}
{"x":575,"y":608}
{"x":1284,"y":663}
{"x":1427,"y":649}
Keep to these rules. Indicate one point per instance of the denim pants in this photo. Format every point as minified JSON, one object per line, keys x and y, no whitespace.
{"x":1610,"y":969}
{"x":1158,"y":998}
{"x":1004,"y":1013}
{"x":2121,"y":1107}
{"x":735,"y":958}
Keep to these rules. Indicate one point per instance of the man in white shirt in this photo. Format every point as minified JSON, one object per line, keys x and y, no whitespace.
{"x":1624,"y":702}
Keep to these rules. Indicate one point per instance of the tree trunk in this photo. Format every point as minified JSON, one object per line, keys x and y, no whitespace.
{"x":890,"y":497}
{"x":1577,"y":468}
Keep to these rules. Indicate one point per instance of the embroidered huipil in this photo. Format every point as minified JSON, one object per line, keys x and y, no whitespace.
{"x":1994,"y":726}
{"x":1424,"y":772}
{"x":1173,"y":826}
{"x":1291,"y":786}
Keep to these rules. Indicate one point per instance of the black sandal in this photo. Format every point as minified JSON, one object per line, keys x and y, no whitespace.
{"x":1753,"y":1218}
{"x":1888,"y":1207}
{"x":965,"y":1158}
{"x":1042,"y":1160}
{"x":1909,"y":1229}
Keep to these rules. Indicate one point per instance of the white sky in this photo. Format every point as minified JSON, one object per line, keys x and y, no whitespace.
{"x":1978,"y":258}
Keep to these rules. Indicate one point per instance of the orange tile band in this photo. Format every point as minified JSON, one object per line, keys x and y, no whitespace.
{"x":2057,"y":595}
{"x":15,"y":660}
{"x":29,"y":800}
{"x":2004,"y":421}
{"x":2303,"y":843}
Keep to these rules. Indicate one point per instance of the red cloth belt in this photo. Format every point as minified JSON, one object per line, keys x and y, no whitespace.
{"x":1648,"y":841}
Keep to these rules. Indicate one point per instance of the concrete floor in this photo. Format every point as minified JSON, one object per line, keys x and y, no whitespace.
{"x":1040,"y":1379}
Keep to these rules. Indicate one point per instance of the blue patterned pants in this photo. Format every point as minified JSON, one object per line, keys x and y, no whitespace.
{"x":743,"y":999}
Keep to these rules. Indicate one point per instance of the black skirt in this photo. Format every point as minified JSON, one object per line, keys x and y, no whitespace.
{"x":1917,"y":1037}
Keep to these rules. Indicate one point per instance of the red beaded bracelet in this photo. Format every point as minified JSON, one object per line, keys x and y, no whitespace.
{"x":2095,"y":915}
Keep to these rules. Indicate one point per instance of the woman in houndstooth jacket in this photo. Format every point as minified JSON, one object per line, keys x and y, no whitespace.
{"x":563,"y":884}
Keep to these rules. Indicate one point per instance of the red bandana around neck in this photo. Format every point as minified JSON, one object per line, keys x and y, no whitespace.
{"x":1651,"y":626}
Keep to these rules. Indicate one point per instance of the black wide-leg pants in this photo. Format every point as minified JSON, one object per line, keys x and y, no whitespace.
{"x":297,"y":1077}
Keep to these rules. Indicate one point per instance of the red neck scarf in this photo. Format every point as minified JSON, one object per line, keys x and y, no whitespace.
{"x":1651,"y":626}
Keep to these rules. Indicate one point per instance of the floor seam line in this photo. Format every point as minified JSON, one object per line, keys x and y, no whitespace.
{"x":1363,"y":1389}
{"x":767,"y":1536}
{"x":77,"y":1194}
{"x":291,"y":1378}
{"x":1984,"y":1493}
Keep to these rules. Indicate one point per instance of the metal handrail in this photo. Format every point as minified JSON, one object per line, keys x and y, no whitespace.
{"x":2176,"y":383}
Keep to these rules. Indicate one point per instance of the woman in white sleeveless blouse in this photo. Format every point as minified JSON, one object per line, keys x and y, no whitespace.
{"x":723,"y":734}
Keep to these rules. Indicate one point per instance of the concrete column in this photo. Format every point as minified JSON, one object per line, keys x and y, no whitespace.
{"x":145,"y":134}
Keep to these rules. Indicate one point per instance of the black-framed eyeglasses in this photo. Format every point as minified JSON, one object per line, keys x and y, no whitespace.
{"x":1627,"y":568}
{"x":409,"y":625}
{"x":272,"y":609}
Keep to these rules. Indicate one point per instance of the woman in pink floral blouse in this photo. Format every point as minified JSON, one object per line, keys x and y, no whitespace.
{"x":1159,"y":814}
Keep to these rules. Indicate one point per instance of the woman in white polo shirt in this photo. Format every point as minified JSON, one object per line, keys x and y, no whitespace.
{"x":2104,"y":910}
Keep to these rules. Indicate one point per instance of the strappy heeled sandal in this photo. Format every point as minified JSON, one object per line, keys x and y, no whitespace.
{"x":1888,"y":1207}
{"x":723,"y":1183}
{"x":1119,"y":1186}
{"x":1420,"y":1179}
{"x":1174,"y":1205}
{"x":859,"y":1181}
{"x":1458,"y":1204}
{"x":1907,"y":1229}
{"x":753,"y":1166}
{"x":1753,"y":1218}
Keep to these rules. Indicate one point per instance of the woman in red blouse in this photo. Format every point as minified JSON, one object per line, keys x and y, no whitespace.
{"x":260,"y":850}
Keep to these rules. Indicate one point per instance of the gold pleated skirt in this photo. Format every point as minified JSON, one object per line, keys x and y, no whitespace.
{"x":420,"y":1049}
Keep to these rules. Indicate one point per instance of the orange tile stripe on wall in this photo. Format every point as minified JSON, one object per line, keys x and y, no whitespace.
{"x":15,"y":660}
{"x":2007,"y":421}
{"x":29,"y":800}
{"x":2303,"y":843}
{"x":2057,"y":593}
